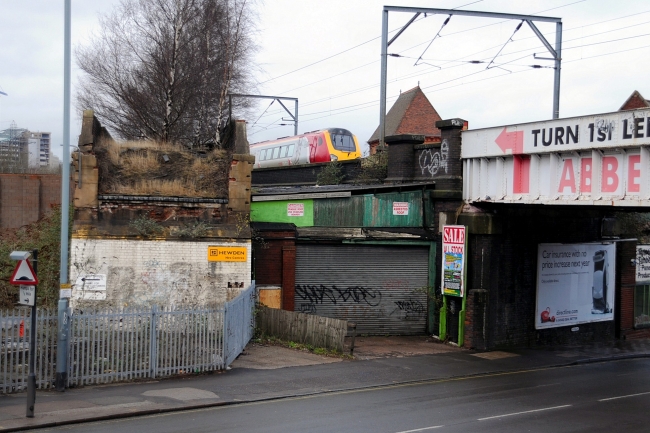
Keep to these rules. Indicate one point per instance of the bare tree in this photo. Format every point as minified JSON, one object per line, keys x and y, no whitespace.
{"x":162,"y":69}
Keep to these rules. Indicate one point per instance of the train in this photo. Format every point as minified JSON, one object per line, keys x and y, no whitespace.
{"x":324,"y":145}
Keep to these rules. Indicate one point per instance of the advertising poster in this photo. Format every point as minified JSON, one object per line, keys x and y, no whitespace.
{"x":643,"y":264}
{"x":453,"y":260}
{"x":575,"y":284}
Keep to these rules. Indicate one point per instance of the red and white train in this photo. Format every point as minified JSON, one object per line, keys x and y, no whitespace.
{"x":325,"y":145}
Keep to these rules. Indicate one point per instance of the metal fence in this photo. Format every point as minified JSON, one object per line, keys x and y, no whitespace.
{"x":15,"y":333}
{"x":112,"y":345}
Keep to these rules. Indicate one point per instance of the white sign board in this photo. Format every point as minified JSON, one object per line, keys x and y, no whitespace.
{"x":295,"y":209}
{"x":610,"y":130}
{"x":90,"y":287}
{"x":643,"y":264}
{"x":27,"y":295}
{"x":575,"y":284}
{"x":400,"y":208}
{"x":603,"y":158}
{"x":91,"y":282}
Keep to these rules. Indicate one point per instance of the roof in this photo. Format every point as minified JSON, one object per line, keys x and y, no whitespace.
{"x":412,"y":113}
{"x":635,"y":101}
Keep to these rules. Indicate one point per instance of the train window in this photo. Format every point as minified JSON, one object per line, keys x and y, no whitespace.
{"x":344,"y":143}
{"x":283,"y":152}
{"x":262,"y":154}
{"x":290,"y":154}
{"x":320,"y":141}
{"x":276,"y":152}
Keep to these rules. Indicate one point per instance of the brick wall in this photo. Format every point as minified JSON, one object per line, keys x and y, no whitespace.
{"x":24,"y":198}
{"x":301,"y":174}
{"x":506,"y":266}
{"x":140,"y":272}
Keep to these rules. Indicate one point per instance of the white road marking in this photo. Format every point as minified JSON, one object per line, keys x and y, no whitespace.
{"x":421,"y":429}
{"x":624,"y":396}
{"x":521,"y":413}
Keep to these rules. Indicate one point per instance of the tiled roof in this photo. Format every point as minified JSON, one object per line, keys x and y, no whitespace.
{"x":412,"y":113}
{"x":635,"y":101}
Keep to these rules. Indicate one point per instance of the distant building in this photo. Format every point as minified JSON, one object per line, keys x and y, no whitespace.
{"x":412,"y":113}
{"x":22,"y":149}
{"x":38,"y":144}
{"x":635,"y":101}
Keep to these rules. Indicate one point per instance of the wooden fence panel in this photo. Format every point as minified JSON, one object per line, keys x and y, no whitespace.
{"x":303,"y":328}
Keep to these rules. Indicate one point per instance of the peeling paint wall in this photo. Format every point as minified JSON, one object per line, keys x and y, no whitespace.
{"x":140,"y":272}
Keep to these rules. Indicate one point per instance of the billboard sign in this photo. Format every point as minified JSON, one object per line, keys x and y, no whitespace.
{"x":454,"y":248}
{"x":575,"y":284}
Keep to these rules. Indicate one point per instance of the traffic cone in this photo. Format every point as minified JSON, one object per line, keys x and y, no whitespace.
{"x":21,"y":330}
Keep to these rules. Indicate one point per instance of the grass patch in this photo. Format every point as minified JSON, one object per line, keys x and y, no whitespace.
{"x":274,"y":341}
{"x":161,"y":169}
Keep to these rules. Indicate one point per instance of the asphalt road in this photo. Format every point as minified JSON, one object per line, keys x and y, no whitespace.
{"x":601,"y":397}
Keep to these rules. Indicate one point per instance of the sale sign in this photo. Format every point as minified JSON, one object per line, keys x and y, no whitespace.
{"x":454,"y":247}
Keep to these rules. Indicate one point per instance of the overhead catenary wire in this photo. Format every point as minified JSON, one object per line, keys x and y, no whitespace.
{"x":493,"y":62}
{"x":482,"y":61}
{"x":434,"y":38}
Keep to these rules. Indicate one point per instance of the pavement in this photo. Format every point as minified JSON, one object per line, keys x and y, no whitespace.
{"x":267,"y":372}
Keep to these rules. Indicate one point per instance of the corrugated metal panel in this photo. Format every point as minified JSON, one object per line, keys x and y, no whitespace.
{"x":368,"y":211}
{"x":379,"y":211}
{"x":376,"y":286}
{"x":339,"y":212}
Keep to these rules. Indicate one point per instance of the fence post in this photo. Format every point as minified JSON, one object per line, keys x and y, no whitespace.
{"x":225,"y":335}
{"x":153,"y":342}
{"x":61,"y":380}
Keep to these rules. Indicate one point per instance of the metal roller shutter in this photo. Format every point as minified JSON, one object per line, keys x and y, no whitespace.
{"x":380,"y":288}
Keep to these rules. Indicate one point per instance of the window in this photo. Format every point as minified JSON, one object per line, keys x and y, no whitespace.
{"x":642,"y":306}
{"x":262,"y":154}
{"x":343,"y":142}
{"x":276,"y":152}
{"x":283,"y":152}
{"x":291,"y":147}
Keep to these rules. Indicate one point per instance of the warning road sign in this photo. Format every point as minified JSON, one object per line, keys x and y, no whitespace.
{"x":24,"y":274}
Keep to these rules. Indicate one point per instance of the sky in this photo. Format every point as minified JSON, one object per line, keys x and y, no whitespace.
{"x":326,"y":54}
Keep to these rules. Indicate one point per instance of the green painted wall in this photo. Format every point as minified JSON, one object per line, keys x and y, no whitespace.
{"x":370,"y":210}
{"x":276,"y":212}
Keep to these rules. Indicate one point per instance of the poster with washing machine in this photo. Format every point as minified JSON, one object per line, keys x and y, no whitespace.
{"x":575,"y":284}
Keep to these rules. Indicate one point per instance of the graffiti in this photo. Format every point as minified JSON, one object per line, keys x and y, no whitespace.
{"x":432,"y":161}
{"x":410,"y":306}
{"x":151,"y":263}
{"x":307,"y":308}
{"x":604,"y":128}
{"x":357,"y":294}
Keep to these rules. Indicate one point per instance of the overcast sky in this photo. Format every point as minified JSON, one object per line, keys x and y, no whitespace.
{"x":326,"y":54}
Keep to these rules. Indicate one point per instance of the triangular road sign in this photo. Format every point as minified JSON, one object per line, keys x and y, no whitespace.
{"x":24,"y":274}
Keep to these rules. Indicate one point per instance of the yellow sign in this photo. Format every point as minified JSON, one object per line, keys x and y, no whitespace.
{"x":227,"y":254}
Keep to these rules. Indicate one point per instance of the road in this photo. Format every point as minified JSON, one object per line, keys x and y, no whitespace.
{"x":602,"y":397}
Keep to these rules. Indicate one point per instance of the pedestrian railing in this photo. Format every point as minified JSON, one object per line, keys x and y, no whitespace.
{"x":15,"y":334}
{"x":121,"y":344}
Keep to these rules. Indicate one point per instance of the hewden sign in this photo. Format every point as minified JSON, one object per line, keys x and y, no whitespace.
{"x":580,"y":160}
